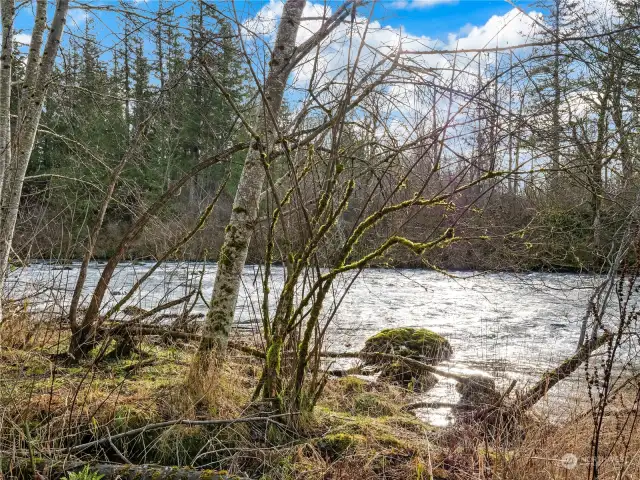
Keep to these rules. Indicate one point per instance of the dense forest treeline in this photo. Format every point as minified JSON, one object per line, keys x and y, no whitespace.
{"x":561,"y":118}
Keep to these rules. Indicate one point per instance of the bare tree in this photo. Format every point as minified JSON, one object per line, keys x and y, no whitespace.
{"x":238,"y":232}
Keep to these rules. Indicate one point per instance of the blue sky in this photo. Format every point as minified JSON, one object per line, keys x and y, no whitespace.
{"x":440,"y":20}
{"x":433,"y":18}
{"x":437,"y":18}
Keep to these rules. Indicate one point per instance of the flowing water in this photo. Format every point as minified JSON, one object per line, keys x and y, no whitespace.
{"x":504,"y":325}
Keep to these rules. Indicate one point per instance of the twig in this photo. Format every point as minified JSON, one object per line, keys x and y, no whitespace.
{"x":119,"y":453}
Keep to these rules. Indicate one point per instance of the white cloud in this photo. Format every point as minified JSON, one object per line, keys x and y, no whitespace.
{"x":403,"y":104}
{"x":499,"y":31}
{"x":23,"y":38}
{"x":77,"y":17}
{"x":266,"y":20}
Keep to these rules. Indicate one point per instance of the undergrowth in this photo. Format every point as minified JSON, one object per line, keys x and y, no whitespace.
{"x":358,"y":429}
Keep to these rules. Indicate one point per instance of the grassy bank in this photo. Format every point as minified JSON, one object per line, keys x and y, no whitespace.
{"x":358,"y":430}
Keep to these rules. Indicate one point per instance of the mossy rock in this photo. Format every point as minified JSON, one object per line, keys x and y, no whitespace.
{"x":416,"y":343}
{"x":477,"y":391}
{"x":338,"y":445}
{"x":404,"y":376}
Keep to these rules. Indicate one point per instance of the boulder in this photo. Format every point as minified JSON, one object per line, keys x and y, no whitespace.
{"x":416,"y":343}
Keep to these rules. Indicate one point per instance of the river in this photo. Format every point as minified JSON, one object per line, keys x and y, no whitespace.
{"x":509,"y":326}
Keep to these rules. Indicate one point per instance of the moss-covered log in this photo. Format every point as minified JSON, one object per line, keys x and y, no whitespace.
{"x":24,"y":468}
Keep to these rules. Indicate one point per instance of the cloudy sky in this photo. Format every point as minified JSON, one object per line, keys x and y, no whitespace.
{"x":436,"y":19}
{"x":469,"y":22}
{"x":433,"y":18}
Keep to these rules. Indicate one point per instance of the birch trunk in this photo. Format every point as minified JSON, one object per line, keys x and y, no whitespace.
{"x":7,"y":11}
{"x":245,"y":207}
{"x":18,"y":144}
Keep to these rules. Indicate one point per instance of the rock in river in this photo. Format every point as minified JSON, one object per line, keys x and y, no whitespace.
{"x":416,"y":343}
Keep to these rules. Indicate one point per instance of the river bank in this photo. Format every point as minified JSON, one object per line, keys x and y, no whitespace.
{"x":142,"y":410}
{"x":356,"y":425}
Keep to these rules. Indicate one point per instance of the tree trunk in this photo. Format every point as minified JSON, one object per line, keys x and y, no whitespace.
{"x":238,"y":233}
{"x":599,"y":158}
{"x":555,"y":114}
{"x":7,"y":12}
{"x":19,"y":144}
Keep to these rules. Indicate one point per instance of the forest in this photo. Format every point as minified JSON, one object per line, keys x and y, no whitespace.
{"x":199,"y":200}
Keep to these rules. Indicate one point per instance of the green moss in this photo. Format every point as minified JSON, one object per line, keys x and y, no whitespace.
{"x":404,"y":422}
{"x":373,"y":405}
{"x":417,"y":343}
{"x":352,"y":384}
{"x":37,"y":370}
{"x":392,"y":441}
{"x":209,"y":474}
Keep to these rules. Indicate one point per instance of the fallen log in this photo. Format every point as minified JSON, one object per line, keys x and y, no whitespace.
{"x":52,"y":470}
{"x":552,"y":377}
{"x":154,"y":472}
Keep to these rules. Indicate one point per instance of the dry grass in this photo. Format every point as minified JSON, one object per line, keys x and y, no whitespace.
{"x":545,"y":446}
{"x":358,"y":429}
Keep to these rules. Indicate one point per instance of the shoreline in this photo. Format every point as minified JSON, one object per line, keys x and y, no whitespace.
{"x":139,"y":261}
